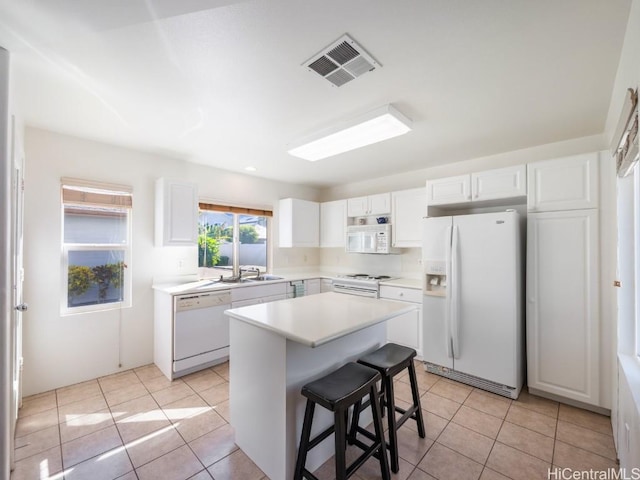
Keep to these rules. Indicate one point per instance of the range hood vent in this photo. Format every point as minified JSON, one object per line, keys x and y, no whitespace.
{"x":342,"y":61}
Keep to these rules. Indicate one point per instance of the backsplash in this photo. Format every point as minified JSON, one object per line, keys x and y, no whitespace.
{"x":405,"y":264}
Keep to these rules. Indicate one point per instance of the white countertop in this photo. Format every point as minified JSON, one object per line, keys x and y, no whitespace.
{"x":317,"y":319}
{"x":179,"y":288}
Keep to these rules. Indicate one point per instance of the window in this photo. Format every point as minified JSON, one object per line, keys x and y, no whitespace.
{"x":231,"y":240}
{"x":96,"y":247}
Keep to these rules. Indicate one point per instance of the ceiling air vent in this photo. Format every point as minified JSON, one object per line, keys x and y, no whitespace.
{"x":341,"y":62}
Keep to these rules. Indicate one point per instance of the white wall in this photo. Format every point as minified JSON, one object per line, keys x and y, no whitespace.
{"x":62,"y":350}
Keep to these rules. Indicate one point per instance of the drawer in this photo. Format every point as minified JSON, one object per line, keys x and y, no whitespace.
{"x":403,"y":294}
{"x":246,"y":293}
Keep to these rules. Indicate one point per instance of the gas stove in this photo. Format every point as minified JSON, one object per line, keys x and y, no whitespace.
{"x":361,"y":284}
{"x":365,"y":276}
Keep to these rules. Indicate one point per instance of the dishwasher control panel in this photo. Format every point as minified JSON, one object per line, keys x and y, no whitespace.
{"x":202,"y":300}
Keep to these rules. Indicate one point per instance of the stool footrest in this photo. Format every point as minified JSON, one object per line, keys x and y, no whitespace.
{"x":321,"y":436}
{"x":406,"y":415}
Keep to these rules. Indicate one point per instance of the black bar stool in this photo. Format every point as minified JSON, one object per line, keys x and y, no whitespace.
{"x":390,"y":360}
{"x":336,"y":392}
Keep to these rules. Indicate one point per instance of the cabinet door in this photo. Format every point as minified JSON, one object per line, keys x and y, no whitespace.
{"x":326,"y":285}
{"x":299,"y":223}
{"x":312,"y":286}
{"x":405,"y":329}
{"x":499,"y":183}
{"x":357,"y":207}
{"x":333,"y":219}
{"x":176,"y":213}
{"x":569,"y":183}
{"x":449,"y":190}
{"x":380,"y":204}
{"x":408,"y":209}
{"x":563,"y":303}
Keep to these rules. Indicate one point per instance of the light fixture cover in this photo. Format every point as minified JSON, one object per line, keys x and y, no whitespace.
{"x":372,"y":127}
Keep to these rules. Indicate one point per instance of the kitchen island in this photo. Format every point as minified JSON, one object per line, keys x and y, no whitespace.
{"x":278,"y":347}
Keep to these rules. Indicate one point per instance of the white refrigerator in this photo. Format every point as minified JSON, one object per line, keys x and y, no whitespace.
{"x":473,"y":329}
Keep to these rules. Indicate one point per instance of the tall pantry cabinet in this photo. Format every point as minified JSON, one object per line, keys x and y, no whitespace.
{"x":563,"y":287}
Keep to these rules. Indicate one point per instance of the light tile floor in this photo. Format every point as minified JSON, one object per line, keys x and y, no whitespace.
{"x":139,"y":425}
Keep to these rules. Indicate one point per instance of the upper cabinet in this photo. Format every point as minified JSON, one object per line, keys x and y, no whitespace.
{"x":333,"y":219}
{"x":449,"y":190}
{"x":569,"y":183}
{"x":176,"y":213}
{"x":370,"y":205}
{"x":500,"y":183}
{"x":408,"y":207}
{"x":299,"y":223}
{"x":507,"y":182}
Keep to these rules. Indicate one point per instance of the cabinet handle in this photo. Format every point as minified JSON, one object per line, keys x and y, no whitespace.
{"x":402,"y":294}
{"x":617,"y":283}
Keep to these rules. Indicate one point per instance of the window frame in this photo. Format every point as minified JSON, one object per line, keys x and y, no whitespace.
{"x":236,"y":212}
{"x":66,"y":248}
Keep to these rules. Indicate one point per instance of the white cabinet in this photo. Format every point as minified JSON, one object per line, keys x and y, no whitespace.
{"x":258,"y":294}
{"x":563,"y":304}
{"x":496,"y":184}
{"x":408,"y":207}
{"x":333,"y":220}
{"x":312,"y":286}
{"x":379,"y":204}
{"x":569,"y":183}
{"x":449,"y":190}
{"x":499,"y":183}
{"x":405,"y":329}
{"x":299,"y":223}
{"x":326,"y":285}
{"x":176,"y":215}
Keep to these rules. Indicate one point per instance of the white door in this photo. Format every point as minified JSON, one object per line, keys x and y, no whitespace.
{"x":436,"y":337}
{"x":449,"y":190}
{"x":487,"y":293}
{"x":407,"y":210}
{"x":562,"y":304}
{"x":17,"y":186}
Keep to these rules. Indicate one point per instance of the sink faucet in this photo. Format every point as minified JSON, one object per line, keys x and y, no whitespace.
{"x":254,"y":270}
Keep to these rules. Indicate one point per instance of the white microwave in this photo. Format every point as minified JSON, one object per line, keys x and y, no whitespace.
{"x":369,"y":239}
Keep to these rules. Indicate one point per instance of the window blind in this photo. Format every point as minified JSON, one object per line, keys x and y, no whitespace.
{"x":233,"y":209}
{"x":80,"y":192}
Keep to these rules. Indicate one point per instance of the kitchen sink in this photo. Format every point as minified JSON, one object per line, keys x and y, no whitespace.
{"x":263,"y":278}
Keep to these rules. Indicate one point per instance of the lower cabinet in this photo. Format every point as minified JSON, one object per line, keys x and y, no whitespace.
{"x":563,"y":304}
{"x":243,"y":296}
{"x":406,"y":329}
{"x":326,"y":285}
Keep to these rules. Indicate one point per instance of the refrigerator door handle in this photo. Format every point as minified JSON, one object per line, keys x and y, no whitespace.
{"x":448,"y":307}
{"x":454,"y":285}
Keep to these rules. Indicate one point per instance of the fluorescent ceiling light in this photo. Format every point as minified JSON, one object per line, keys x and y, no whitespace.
{"x":380,"y":124}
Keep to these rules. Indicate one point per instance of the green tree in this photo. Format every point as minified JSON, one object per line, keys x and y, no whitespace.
{"x":80,"y":279}
{"x":110,"y":274}
{"x":208,"y":251}
{"x":248,"y":234}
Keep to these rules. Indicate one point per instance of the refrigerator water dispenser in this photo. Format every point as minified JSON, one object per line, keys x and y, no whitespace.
{"x":435,"y":282}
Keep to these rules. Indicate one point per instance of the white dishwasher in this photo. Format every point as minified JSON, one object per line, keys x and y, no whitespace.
{"x":200,"y":329}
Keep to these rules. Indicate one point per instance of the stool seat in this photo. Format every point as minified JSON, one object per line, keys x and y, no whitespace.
{"x":388,"y":358}
{"x":343,"y":387}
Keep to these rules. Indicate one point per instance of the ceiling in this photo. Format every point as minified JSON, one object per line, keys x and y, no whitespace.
{"x":221,"y":83}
